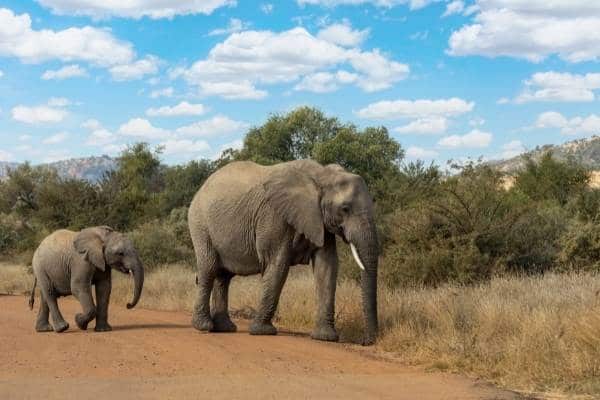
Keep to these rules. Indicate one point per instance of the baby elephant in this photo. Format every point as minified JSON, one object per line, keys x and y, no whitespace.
{"x":68,"y":262}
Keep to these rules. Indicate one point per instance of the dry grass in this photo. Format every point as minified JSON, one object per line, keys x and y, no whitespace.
{"x":531,"y":333}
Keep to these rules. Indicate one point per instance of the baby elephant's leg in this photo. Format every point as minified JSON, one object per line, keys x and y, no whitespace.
{"x":103,"y":288}
{"x":83,"y":293}
{"x":42,"y":324}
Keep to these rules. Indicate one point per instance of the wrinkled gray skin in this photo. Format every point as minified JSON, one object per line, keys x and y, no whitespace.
{"x":249,"y":219}
{"x":68,"y":262}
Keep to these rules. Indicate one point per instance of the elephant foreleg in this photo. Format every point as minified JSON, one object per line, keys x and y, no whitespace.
{"x":220,"y":309}
{"x":273,"y":281}
{"x":83,"y":292}
{"x":42,"y":324}
{"x":103,"y":289}
{"x":325,"y":267}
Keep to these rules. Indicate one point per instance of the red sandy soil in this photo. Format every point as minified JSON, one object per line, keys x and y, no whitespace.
{"x":158,"y":355}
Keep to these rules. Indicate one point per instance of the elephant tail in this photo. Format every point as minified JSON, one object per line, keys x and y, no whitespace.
{"x":32,"y":296}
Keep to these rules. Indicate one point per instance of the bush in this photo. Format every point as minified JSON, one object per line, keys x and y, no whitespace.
{"x":158,"y":244}
{"x":580,"y":246}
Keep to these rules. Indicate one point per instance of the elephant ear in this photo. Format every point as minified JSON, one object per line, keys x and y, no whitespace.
{"x":296,"y":197}
{"x":89,"y":244}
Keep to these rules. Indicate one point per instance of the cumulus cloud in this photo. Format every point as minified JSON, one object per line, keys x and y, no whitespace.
{"x":57,"y":138}
{"x":235,"y":25}
{"x":135,"y":70}
{"x":423,"y":108}
{"x":154,"y":9}
{"x":267,"y":8}
{"x":101,"y":137}
{"x":185,"y":146}
{"x":91,"y":124}
{"x":573,"y":126}
{"x":413,"y":4}
{"x":419,"y":153}
{"x":559,"y":87}
{"x":424,"y":126}
{"x":343,"y":35}
{"x":182,"y":109}
{"x":531,"y":29}
{"x":94,"y":45}
{"x":166,"y":92}
{"x":472,"y":140}
{"x":40,"y":114}
{"x":218,"y":125}
{"x":324,"y":82}
{"x":249,"y":58}
{"x":59,"y":102}
{"x":454,"y":7}
{"x":66,"y":72}
{"x":142,"y":128}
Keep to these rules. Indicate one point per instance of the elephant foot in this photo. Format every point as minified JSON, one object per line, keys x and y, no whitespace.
{"x":222,"y":323}
{"x":326,"y":333}
{"x":82,"y":321}
{"x":44,"y":327}
{"x":262,"y":328}
{"x":105,"y":327}
{"x":203,"y":324}
{"x":61,"y":326}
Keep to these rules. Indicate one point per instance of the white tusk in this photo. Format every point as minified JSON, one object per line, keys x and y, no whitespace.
{"x":356,"y":257}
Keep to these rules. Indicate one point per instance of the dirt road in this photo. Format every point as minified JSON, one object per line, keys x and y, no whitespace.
{"x":157,"y":355}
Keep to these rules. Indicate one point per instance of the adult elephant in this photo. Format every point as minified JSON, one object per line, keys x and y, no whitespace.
{"x":248,"y":219}
{"x":68,"y":262}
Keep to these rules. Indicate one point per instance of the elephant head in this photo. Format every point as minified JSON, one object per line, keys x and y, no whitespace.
{"x":102,"y":246}
{"x":315,"y":199}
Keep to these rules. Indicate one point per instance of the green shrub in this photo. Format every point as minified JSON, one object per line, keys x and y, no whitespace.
{"x":157,"y":244}
{"x":580,"y":246}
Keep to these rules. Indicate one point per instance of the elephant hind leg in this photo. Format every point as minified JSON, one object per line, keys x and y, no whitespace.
{"x":49,"y":299}
{"x":42,"y":324}
{"x":220,"y":297}
{"x":207,"y":261}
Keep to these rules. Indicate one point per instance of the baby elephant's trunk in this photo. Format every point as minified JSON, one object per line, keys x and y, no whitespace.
{"x":32,"y":296}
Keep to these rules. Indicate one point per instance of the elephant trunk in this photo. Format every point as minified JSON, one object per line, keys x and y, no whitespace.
{"x":137,"y":269}
{"x":365,"y":249}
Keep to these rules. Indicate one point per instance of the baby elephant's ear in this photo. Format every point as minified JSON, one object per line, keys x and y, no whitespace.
{"x":90,"y":246}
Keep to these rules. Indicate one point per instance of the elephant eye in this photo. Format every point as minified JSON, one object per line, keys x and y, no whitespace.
{"x":345,"y":208}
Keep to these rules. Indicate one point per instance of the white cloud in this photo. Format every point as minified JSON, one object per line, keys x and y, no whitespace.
{"x":1,"y":74}
{"x":91,"y":124}
{"x":419,"y":153}
{"x":68,"y":71}
{"x":166,"y":92}
{"x":182,"y":109}
{"x":154,"y":9}
{"x":560,"y":87}
{"x":24,"y":138}
{"x":140,"y":127}
{"x":135,"y":70}
{"x":454,"y":7}
{"x":472,"y":140}
{"x":59,"y":102}
{"x":218,"y":125}
{"x":57,"y":138}
{"x":512,"y":149}
{"x":416,"y":109}
{"x":184,"y":146}
{"x":425,"y":126}
{"x":324,"y":82}
{"x":249,"y":58}
{"x":267,"y":8}
{"x":235,"y":25}
{"x":240,"y":90}
{"x":89,"y":44}
{"x":38,"y":114}
{"x":531,"y":29}
{"x":343,"y":35}
{"x":413,"y":4}
{"x":573,"y":126}
{"x":421,"y":35}
{"x":6,"y":156}
{"x":100,"y":137}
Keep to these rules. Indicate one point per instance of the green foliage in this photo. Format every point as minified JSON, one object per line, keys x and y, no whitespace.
{"x":550,"y":179}
{"x":181,"y":182}
{"x":580,"y":246}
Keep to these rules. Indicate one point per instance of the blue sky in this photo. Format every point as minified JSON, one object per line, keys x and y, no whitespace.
{"x":450,"y":79}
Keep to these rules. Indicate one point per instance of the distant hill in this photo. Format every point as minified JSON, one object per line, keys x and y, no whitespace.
{"x":584,"y":151}
{"x":87,"y":168}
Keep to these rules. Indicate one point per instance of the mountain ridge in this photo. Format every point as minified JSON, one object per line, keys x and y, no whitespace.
{"x":86,"y":168}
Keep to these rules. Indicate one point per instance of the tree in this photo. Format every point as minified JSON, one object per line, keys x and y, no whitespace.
{"x":181,"y":182}
{"x":553,"y":180}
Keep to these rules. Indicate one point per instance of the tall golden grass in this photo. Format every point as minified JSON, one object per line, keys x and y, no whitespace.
{"x":528,"y":333}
